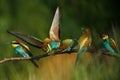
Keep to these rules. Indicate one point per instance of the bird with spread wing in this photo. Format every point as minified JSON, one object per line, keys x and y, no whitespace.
{"x":48,"y":44}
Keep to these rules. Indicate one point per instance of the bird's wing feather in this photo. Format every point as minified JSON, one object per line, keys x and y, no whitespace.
{"x":29,"y":39}
{"x":26,"y":49}
{"x":90,"y":41}
{"x":55,"y":27}
{"x":82,"y":42}
{"x":113,"y":44}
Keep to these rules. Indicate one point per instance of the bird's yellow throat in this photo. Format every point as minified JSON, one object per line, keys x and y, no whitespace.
{"x":14,"y":45}
{"x":105,"y":37}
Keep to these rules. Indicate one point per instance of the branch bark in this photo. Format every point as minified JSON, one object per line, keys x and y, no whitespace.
{"x":28,"y":58}
{"x":14,"y":59}
{"x":46,"y":55}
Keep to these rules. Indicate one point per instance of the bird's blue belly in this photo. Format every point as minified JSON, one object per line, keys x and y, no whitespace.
{"x":19,"y":50}
{"x":54,"y":45}
{"x":108,"y":46}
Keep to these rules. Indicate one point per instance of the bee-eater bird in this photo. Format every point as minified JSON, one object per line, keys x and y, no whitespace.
{"x":48,"y":44}
{"x":23,"y":50}
{"x":84,"y":43}
{"x":109,"y":43}
{"x":68,"y":45}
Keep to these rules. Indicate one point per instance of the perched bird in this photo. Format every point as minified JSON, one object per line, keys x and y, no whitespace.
{"x":68,"y":45}
{"x":84,"y":43}
{"x":109,"y":43}
{"x":23,"y":50}
{"x":53,"y":42}
{"x":48,"y":44}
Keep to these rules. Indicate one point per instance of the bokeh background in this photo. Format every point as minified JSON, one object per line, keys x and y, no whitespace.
{"x":34,"y":17}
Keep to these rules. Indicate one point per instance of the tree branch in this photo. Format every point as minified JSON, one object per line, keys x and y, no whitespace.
{"x":46,"y":55}
{"x":28,"y":58}
{"x":14,"y":59}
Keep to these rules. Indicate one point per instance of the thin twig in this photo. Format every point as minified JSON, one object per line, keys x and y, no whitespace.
{"x":116,"y":55}
{"x":14,"y":59}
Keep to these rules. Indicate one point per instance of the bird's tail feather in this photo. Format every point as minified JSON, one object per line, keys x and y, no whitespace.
{"x":35,"y":64}
{"x":80,"y":53}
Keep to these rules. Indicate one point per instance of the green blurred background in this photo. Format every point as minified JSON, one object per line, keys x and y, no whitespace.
{"x":34,"y":17}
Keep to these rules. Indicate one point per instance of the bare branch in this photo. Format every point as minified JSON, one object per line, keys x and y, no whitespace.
{"x":14,"y":59}
{"x":23,"y":58}
{"x":46,"y":55}
{"x":116,"y":55}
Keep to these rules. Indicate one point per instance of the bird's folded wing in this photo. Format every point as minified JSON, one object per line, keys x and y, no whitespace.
{"x":113,"y":44}
{"x":29,"y":39}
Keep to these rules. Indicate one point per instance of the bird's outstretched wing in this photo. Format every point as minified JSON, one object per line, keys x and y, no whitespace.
{"x":55,"y":27}
{"x":29,"y":39}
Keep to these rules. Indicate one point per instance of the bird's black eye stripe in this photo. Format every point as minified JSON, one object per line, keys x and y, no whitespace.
{"x":15,"y":43}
